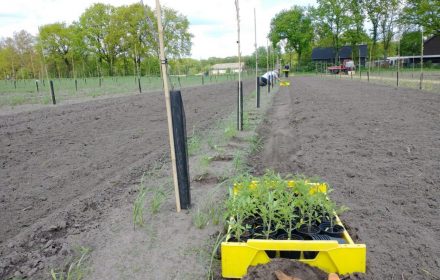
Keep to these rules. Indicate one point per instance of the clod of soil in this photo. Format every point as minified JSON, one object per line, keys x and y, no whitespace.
{"x":296,"y":269}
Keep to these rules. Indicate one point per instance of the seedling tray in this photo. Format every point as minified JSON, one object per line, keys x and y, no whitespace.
{"x":331,"y":256}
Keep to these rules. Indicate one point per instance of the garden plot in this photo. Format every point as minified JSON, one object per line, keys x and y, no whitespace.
{"x":377,"y":146}
{"x":65,"y":168}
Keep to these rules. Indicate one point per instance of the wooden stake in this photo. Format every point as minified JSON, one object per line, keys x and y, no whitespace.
{"x":240,"y":99}
{"x":256,"y":61}
{"x":421,"y":64}
{"x":164,"y":73}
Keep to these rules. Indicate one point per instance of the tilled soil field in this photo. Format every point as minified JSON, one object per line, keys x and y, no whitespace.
{"x":63,"y":168}
{"x":379,"y":147}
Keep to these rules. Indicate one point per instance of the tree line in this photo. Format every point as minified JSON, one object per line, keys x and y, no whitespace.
{"x":395,"y":25}
{"x":105,"y":40}
{"x":109,"y":40}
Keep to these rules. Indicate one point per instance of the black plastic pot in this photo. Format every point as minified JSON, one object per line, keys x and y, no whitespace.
{"x":313,"y":254}
{"x":248,"y":234}
{"x":290,"y":254}
{"x":258,"y":233}
{"x":335,"y":231}
{"x":249,"y":221}
{"x":305,"y":230}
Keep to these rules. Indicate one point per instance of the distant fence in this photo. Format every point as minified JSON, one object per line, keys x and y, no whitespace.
{"x":18,"y":92}
{"x":428,"y":79}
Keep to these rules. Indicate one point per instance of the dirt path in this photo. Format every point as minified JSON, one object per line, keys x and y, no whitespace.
{"x":379,"y":148}
{"x":63,"y":168}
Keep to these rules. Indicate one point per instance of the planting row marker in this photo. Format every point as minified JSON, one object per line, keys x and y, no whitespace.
{"x":421,"y":63}
{"x":52,"y":92}
{"x":163,"y":67}
{"x":257,"y":86}
{"x":240,"y":85}
{"x":139,"y":84}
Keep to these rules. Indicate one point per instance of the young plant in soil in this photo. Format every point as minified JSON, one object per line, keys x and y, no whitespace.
{"x":239,"y":208}
{"x":287,"y":211}
{"x":330,"y":210}
{"x":268,"y":212}
{"x":308,"y":204}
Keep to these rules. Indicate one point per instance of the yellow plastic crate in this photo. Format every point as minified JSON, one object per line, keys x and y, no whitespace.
{"x":314,"y":187}
{"x":331,"y":257}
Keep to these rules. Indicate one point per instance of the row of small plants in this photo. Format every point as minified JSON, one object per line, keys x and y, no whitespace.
{"x":272,"y":207}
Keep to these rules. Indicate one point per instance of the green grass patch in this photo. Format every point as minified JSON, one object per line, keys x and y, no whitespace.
{"x":77,"y":268}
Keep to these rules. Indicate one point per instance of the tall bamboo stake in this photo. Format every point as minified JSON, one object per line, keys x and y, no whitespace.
{"x":267,"y":55}
{"x":164,"y":74}
{"x":256,"y":55}
{"x":240,"y":101}
{"x":44,"y":58}
{"x":398,"y":61}
{"x":421,"y":63}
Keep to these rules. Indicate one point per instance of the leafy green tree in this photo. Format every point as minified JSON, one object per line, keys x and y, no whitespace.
{"x":388,"y":19}
{"x":294,"y":27}
{"x":137,"y":38}
{"x":176,"y":33}
{"x":101,"y":33}
{"x":8,"y":58}
{"x":57,"y":40}
{"x":355,"y":35}
{"x":332,"y":16}
{"x":262,"y":59}
{"x":410,"y":43}
{"x":373,"y":9}
{"x":424,"y":13}
{"x":17,"y":56}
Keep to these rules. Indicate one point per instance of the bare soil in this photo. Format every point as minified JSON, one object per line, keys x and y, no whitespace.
{"x":291,"y":268}
{"x":66,"y":170}
{"x":379,"y":147}
{"x":69,"y":175}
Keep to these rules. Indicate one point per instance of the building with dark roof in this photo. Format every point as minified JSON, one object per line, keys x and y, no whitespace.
{"x":431,"y":54}
{"x":328,"y":55}
{"x":432,"y":46}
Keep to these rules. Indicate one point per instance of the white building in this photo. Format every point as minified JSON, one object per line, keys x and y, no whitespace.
{"x":224,"y":68}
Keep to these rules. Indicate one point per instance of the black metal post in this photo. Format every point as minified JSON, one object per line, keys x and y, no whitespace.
{"x":241,"y":105}
{"x":76,"y":85}
{"x":180,"y":148}
{"x":203,"y":80}
{"x":397,"y":78}
{"x":36,"y":84}
{"x":139,"y":85}
{"x":52,"y":92}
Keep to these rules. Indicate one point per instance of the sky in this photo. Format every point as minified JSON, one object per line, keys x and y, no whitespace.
{"x":212,"y":22}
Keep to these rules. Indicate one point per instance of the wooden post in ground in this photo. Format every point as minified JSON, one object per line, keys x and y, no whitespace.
{"x":421,"y":64}
{"x":398,"y":62}
{"x":240,"y":85}
{"x":257,"y":86}
{"x":164,"y":73}
{"x":267,"y":62}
